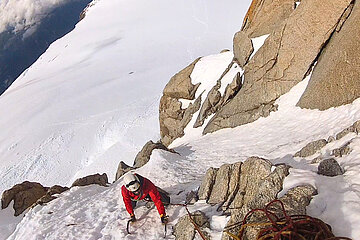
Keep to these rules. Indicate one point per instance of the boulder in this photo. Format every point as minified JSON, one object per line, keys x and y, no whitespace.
{"x":336,"y":77}
{"x":191,"y":197}
{"x":317,"y":160}
{"x":253,"y":171}
{"x":24,"y":196}
{"x":243,"y":48}
{"x":180,"y":86}
{"x":283,"y":61}
{"x":144,"y":155}
{"x":311,"y":148}
{"x":257,"y":187}
{"x":122,"y":169}
{"x":341,"y":151}
{"x":101,"y":180}
{"x":184,"y":228}
{"x":330,"y":167}
{"x":49,"y":196}
{"x":270,"y":187}
{"x":297,"y":199}
{"x":171,"y":114}
{"x":234,"y":184}
{"x":207,"y":184}
{"x":219,"y":192}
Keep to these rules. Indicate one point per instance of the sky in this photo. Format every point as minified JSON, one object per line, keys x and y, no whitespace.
{"x":18,"y":15}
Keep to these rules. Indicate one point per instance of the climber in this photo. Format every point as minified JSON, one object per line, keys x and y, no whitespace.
{"x":136,"y":188}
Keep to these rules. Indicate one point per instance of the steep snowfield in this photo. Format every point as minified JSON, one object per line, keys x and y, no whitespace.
{"x":92,"y":99}
{"x":96,"y":212}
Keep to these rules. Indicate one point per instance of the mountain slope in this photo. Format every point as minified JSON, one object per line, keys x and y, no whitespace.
{"x":95,"y":212}
{"x":91,"y":99}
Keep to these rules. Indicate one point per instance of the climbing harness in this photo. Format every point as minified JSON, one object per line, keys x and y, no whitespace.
{"x":293,"y":227}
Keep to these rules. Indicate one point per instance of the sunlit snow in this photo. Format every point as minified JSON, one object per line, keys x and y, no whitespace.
{"x":77,"y":114}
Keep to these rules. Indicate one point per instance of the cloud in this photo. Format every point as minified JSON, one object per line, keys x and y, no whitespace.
{"x":18,"y":15}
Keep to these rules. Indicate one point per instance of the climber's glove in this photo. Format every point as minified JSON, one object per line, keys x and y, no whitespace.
{"x":132,"y":218}
{"x":164,"y":219}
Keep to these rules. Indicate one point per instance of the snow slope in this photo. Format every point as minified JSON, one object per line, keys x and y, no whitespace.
{"x":95,"y":212}
{"x":74,"y":114}
{"x":91,"y":100}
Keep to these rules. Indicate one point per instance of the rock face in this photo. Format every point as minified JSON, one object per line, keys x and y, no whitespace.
{"x":336,"y":77}
{"x":283,"y":61}
{"x":101,"y":180}
{"x":27,"y":194}
{"x":172,"y":117}
{"x":264,"y":16}
{"x":184,"y":228}
{"x":311,"y":148}
{"x":329,"y":167}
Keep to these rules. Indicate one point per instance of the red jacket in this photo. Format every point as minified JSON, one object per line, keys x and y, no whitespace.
{"x":147,"y":188}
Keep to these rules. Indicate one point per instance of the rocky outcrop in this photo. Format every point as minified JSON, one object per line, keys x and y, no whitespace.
{"x":243,"y":48}
{"x":353,"y":128}
{"x":341,"y":151}
{"x":173,"y":118}
{"x":235,"y":185}
{"x":86,"y":9}
{"x":24,"y":195}
{"x":141,"y":158}
{"x":264,"y":16}
{"x":144,"y":155}
{"x":336,"y":77}
{"x":184,"y":228}
{"x":283,"y":61}
{"x":28,"y":194}
{"x":330,"y":167}
{"x":98,"y":179}
{"x":249,"y":185}
{"x":49,"y":196}
{"x":214,"y":100}
{"x":311,"y":148}
{"x":220,"y":190}
{"x":207,"y":184}
{"x":122,"y":169}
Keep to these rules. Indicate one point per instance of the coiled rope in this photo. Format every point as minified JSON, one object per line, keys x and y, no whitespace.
{"x":294,"y":227}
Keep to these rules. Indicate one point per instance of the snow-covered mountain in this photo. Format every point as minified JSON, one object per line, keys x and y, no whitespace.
{"x":92,"y":100}
{"x":27,"y":29}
